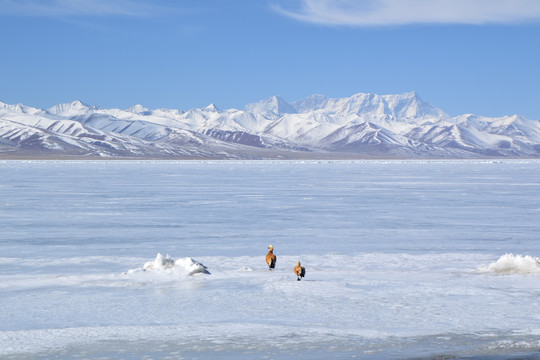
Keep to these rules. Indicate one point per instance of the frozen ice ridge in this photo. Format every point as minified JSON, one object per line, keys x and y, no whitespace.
{"x":513,"y":264}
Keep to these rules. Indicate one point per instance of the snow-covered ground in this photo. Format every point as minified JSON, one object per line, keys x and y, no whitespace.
{"x":165,"y":260}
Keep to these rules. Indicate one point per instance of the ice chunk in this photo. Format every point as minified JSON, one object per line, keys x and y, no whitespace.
{"x":187,"y":265}
{"x":513,"y":264}
{"x":191,"y":266}
{"x":160,"y":263}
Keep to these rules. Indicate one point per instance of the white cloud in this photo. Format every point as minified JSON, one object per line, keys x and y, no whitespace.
{"x":68,"y":8}
{"x":401,"y":12}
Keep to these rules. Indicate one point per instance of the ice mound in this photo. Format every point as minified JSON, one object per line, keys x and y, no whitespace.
{"x":168,"y":264}
{"x":160,"y":263}
{"x":513,"y":264}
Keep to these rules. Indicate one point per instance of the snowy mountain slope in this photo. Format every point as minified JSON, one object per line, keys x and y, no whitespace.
{"x":403,"y":106}
{"x":400,"y":125}
{"x":316,"y":119}
{"x":272,"y":107}
{"x":19,"y":108}
{"x":96,"y":134}
{"x":357,"y":135}
{"x":43,"y":136}
{"x":71,"y":109}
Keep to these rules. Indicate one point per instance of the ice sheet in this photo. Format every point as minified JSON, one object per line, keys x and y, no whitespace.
{"x":403,"y":259}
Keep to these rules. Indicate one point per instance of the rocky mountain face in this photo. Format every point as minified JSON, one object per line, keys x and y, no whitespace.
{"x":363,"y":125}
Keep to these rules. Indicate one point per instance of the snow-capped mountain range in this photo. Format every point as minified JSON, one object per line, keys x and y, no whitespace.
{"x":363,"y":125}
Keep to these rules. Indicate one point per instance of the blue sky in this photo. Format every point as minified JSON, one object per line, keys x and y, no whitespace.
{"x":463,"y":56}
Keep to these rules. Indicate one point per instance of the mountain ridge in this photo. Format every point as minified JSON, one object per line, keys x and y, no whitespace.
{"x":362,"y":125}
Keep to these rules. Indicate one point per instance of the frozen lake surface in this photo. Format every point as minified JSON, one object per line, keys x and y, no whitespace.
{"x":404,"y":259}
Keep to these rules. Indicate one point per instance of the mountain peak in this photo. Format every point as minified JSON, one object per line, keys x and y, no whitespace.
{"x":76,"y":107}
{"x":410,"y":105}
{"x":410,"y":94}
{"x":274,"y":104}
{"x":311,"y":103}
{"x":19,"y":108}
{"x":212,"y":107}
{"x":139,"y":110}
{"x":79,"y":104}
{"x":9,"y":107}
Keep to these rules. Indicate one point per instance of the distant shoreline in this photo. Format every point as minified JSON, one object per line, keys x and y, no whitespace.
{"x":292,"y":156}
{"x":351,"y":157}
